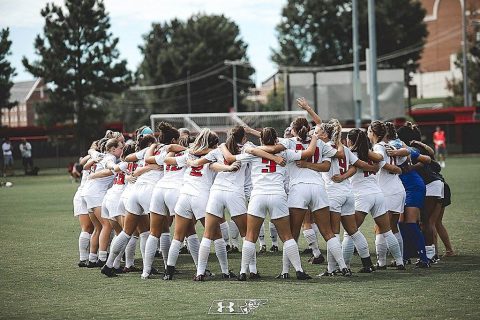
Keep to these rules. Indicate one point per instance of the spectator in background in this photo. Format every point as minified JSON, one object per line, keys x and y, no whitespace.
{"x":26,"y":151}
{"x":7,"y":156}
{"x":440,"y":145}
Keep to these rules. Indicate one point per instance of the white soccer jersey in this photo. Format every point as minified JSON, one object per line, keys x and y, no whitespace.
{"x":131,"y":167}
{"x":152,"y":176}
{"x":119,"y":182}
{"x":196,"y":179}
{"x":298,"y":175}
{"x":389,"y":182}
{"x":94,"y":187}
{"x":397,"y":144}
{"x":267,"y":176}
{"x":364,"y":182}
{"x":173,"y":174}
{"x":339,"y":166}
{"x":229,"y":181}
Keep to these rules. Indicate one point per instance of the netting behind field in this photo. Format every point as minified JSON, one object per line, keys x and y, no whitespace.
{"x":222,"y":122}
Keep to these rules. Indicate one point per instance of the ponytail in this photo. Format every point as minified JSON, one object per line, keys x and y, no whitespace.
{"x":234,"y":138}
{"x":360,"y":143}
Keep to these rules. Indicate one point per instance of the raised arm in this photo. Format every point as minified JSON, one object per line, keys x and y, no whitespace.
{"x":252,"y":131}
{"x":303,"y":104}
{"x":310,"y":151}
{"x":84,"y":160}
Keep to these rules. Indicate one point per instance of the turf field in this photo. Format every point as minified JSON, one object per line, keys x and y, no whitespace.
{"x":39,"y":278}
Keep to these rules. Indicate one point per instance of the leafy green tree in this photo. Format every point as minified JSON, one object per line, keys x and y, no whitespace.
{"x":79,"y":60}
{"x":6,"y":70}
{"x":174,"y":49}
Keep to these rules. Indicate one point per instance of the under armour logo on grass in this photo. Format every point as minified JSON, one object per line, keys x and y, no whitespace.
{"x":221,"y":307}
{"x":235,"y":306}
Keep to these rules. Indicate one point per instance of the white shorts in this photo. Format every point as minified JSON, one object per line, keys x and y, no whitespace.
{"x":275,"y":204}
{"x":435,"y":189}
{"x":112,"y":207}
{"x":189,"y":206}
{"x":307,"y":196}
{"x":139,"y":199}
{"x":371,"y":203}
{"x":395,"y":202}
{"x":164,"y":200}
{"x":342,"y":203}
{"x":93,"y":201}
{"x":234,"y":202}
{"x":79,"y":205}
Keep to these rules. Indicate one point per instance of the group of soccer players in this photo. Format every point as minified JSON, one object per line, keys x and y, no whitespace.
{"x":312,"y":178}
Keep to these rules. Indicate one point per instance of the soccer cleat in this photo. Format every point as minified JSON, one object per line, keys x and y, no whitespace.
{"x":234,"y":250}
{"x":242,"y":277}
{"x":209,"y":273}
{"x":326,"y":274}
{"x":319,"y":260}
{"x":301,"y":275}
{"x":346,"y":272}
{"x":366,"y":270}
{"x":337,"y":272}
{"x":263,"y":249}
{"x":118,"y":270}
{"x":200,"y":277}
{"x":283,"y":276}
{"x":145,"y":276}
{"x":228,"y":247}
{"x":422,"y":265}
{"x":379,"y":267}
{"x":254,"y":276}
{"x":401,"y":267}
{"x":101,"y":263}
{"x":83,"y":263}
{"x":93,"y":264}
{"x":307,"y":251}
{"x":158,"y":254}
{"x":131,"y":269}
{"x":230,"y":275}
{"x":183,"y":250}
{"x":109,"y":272}
{"x":154,"y":271}
{"x":169,"y":272}
{"x":274,"y":248}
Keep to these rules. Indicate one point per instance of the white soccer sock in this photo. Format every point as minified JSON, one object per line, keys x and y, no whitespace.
{"x":248,"y":252}
{"x":381,"y":248}
{"x":347,"y":247}
{"x":335,"y":247}
{"x":203,"y":253}
{"x":234,"y":234}
{"x":92,"y":257}
{"x":165,"y":242}
{"x":130,"y":252}
{"x":331,"y":263}
{"x":399,"y":237}
{"x":224,"y":230}
{"x":361,"y":244}
{"x":118,"y":260}
{"x":253,"y":263}
{"x":285,"y":262}
{"x":311,"y":239}
{"x":261,"y":235}
{"x":430,"y":251}
{"x":102,"y":255}
{"x":221,"y":252}
{"x":393,"y":246}
{"x":273,"y":234}
{"x":291,"y":248}
{"x":83,"y":244}
{"x":315,"y":228}
{"x":117,"y":246}
{"x":193,"y":246}
{"x":173,"y":252}
{"x":150,"y":249}
{"x":143,"y":241}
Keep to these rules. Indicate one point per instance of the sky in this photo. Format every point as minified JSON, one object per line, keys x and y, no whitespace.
{"x":132,"y":19}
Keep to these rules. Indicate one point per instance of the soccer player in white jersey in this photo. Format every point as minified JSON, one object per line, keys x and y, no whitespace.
{"x":369,"y":197}
{"x":192,"y":202}
{"x":392,"y":188}
{"x":339,"y":191}
{"x":138,"y":203}
{"x":268,"y":194}
{"x":94,"y":191}
{"x":164,"y":198}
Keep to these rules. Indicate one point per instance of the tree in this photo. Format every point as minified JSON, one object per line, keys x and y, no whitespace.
{"x":174,"y":49}
{"x":319,"y":33}
{"x":6,"y":70}
{"x":79,"y":60}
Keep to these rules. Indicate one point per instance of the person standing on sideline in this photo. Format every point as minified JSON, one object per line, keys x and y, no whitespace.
{"x":440,"y":145}
{"x":7,"y":156}
{"x":26,"y":151}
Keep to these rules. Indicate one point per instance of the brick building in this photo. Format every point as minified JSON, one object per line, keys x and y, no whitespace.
{"x":26,"y":94}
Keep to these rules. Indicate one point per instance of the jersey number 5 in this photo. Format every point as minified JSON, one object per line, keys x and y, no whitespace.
{"x":271,"y":166}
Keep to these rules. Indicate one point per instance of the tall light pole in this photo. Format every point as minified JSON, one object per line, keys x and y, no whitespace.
{"x":357,"y":92}
{"x":372,"y":43}
{"x":188,"y":93}
{"x":234,"y":65}
{"x":466,"y":97}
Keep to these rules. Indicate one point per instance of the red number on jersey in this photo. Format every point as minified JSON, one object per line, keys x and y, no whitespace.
{"x":316,"y":154}
{"x":93,"y":168}
{"x":119,"y":178}
{"x":342,"y":164}
{"x":393,"y":160}
{"x":196,"y":171}
{"x":368,"y":173}
{"x":271,"y":166}
{"x":131,"y":167}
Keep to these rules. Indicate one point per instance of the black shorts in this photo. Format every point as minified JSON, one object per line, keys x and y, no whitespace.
{"x":440,"y":150}
{"x":447,"y":196}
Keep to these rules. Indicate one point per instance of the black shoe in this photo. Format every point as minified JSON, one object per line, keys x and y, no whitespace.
{"x":263,"y":249}
{"x":228,"y":247}
{"x":366,"y":270}
{"x":422,"y":264}
{"x":338,"y":272}
{"x":301,"y":275}
{"x":242,"y":277}
{"x":307,"y":251}
{"x":367,"y":262}
{"x":274,"y":248}
{"x":379,"y":267}
{"x":326,"y":274}
{"x":91,"y":264}
{"x":401,"y":267}
{"x":346,"y":272}
{"x":209,"y":273}
{"x":230,"y":275}
{"x":254,"y":276}
{"x":283,"y":276}
{"x":118,"y":270}
{"x":234,"y":250}
{"x":154,"y":271}
{"x":83,"y":263}
{"x":183,"y":250}
{"x":101,"y":263}
{"x":109,"y":272}
{"x":169,"y":272}
{"x":393,"y":264}
{"x":319,"y":260}
{"x":199,"y":278}
{"x":131,"y":269}
{"x":158,"y":254}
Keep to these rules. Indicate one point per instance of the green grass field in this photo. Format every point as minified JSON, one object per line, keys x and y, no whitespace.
{"x":39,"y":278}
